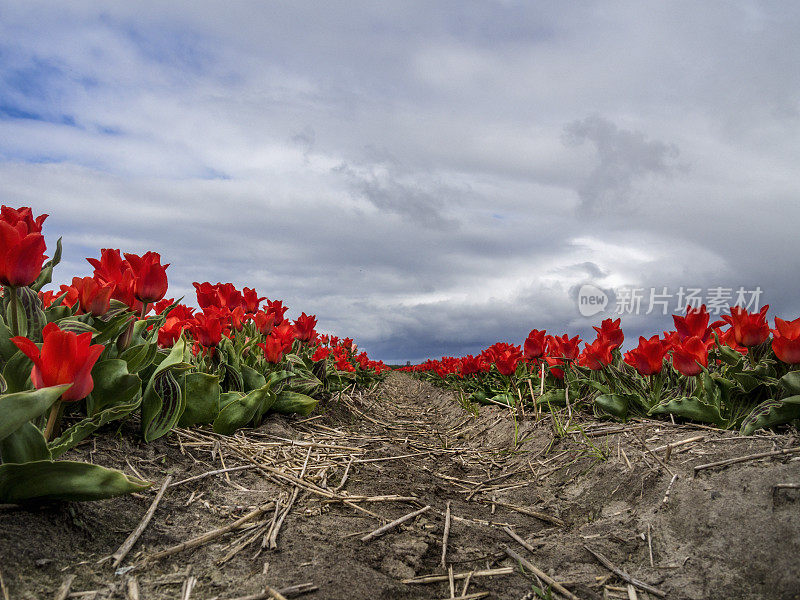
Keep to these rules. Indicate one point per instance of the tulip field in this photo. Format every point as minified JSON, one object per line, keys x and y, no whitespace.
{"x":732,"y":373}
{"x":108,"y":346}
{"x":278,"y":461}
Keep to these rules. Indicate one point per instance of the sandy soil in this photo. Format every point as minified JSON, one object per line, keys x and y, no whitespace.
{"x":723,"y":532}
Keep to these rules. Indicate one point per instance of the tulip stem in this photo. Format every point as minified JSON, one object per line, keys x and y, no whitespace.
{"x":13,"y":306}
{"x":53,"y":419}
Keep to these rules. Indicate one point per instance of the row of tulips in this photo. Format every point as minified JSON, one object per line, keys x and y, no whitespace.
{"x":111,"y":345}
{"x":734,"y":373}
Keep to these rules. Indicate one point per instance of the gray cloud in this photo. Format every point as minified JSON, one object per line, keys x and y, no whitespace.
{"x":623,"y":158}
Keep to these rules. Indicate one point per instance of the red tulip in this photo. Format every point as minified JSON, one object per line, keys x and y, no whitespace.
{"x":263,"y":322}
{"x":690,"y":354}
{"x":250,"y":300}
{"x":207,"y":295}
{"x":648,"y":356}
{"x":321,"y":354}
{"x":207,"y":327}
{"x":749,"y":329}
{"x":694,"y":324}
{"x":276,"y":310}
{"x":21,"y":254}
{"x":786,"y":340}
{"x":112,"y":268}
{"x":178,"y":319}
{"x":304,"y":327}
{"x":727,"y":338}
{"x":24,"y":215}
{"x":611,"y":333}
{"x":535,"y":344}
{"x":285,"y":333}
{"x":473,"y":364}
{"x":507,"y":359}
{"x":597,"y":355}
{"x":71,"y":297}
{"x":150,"y":275}
{"x":273,"y":349}
{"x":65,"y":357}
{"x":94,"y":297}
{"x":47,"y":298}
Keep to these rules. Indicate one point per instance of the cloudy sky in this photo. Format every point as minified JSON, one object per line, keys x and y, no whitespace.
{"x":427,"y":177}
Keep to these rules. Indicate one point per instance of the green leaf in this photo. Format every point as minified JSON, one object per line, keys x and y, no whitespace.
{"x":110,"y":326}
{"x":202,"y":393}
{"x":56,"y":312}
{"x":116,"y":394}
{"x":26,"y":444}
{"x":75,"y":325}
{"x":63,"y":480}
{"x":791,"y":382}
{"x":18,"y":408}
{"x":292,"y":402}
{"x":729,"y":355}
{"x":746,"y":381}
{"x":241,"y":410}
{"x":17,"y":373}
{"x":113,"y":385}
{"x":615,"y":405}
{"x":162,"y":406}
{"x":162,"y":402}
{"x":232,"y":379}
{"x":35,"y":319}
{"x":46,"y":274}
{"x":689,"y":408}
{"x":554,"y":397}
{"x":22,"y":320}
{"x":7,"y":347}
{"x":139,"y":357}
{"x":252,"y":379}
{"x":771,"y":413}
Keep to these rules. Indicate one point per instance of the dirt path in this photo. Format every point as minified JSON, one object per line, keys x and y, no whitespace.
{"x":726,"y":533}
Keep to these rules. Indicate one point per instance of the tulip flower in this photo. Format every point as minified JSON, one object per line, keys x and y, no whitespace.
{"x":94,"y":297}
{"x":112,"y":268}
{"x":24,"y":215}
{"x":749,"y":329}
{"x":321,"y":354}
{"x":65,"y":357}
{"x":786,"y":340}
{"x":610,"y":333}
{"x":264,"y":322}
{"x":207,"y":295}
{"x":47,"y":298}
{"x":206,"y":327}
{"x":150,"y":276}
{"x":71,"y":297}
{"x":21,"y":254}
{"x":648,"y":356}
{"x":250,"y":300}
{"x":276,"y":310}
{"x":473,"y":364}
{"x":727,"y":338}
{"x":304,"y":327}
{"x":694,"y":324}
{"x":534,"y":345}
{"x":507,"y":359}
{"x":273,"y":349}
{"x":690,"y":356}
{"x":597,"y":355}
{"x":285,"y":333}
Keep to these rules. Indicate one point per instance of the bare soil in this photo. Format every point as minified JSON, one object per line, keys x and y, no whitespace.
{"x":724,"y":532}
